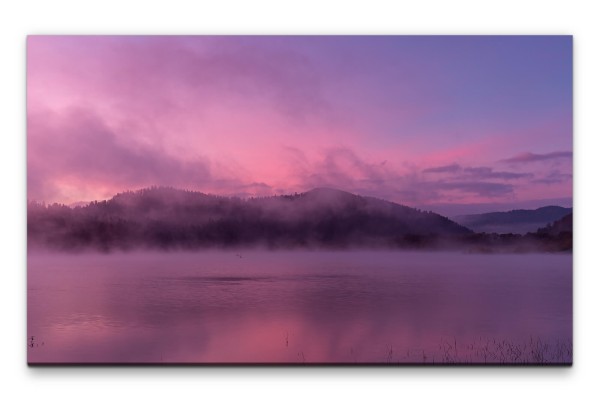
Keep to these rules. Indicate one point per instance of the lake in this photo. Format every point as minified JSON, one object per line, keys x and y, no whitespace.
{"x":299,"y":307}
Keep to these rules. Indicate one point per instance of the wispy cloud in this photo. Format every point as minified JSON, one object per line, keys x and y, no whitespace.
{"x":163,"y":74}
{"x":79,"y":148}
{"x":554,"y":177}
{"x":479,"y":188}
{"x":450,"y":168}
{"x":456,"y":171}
{"x":344,"y":168}
{"x":528,"y":157}
{"x":489,"y":173}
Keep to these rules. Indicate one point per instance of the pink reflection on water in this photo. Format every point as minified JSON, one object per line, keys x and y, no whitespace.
{"x":295,"y":307}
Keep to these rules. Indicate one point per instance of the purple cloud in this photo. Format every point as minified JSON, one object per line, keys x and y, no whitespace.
{"x":484,"y":189}
{"x":554,"y":177}
{"x":451,"y":168}
{"x":475,"y":173}
{"x":528,"y":157}
{"x":488,"y":173}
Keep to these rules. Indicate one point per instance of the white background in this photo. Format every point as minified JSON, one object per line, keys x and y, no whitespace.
{"x":20,"y":18}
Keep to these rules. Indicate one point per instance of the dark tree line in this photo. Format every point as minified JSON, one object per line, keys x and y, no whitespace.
{"x":168,"y":218}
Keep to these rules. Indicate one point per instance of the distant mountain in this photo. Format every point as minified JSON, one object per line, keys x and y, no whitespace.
{"x":514,"y":221}
{"x":460,"y":209}
{"x":171,"y":218}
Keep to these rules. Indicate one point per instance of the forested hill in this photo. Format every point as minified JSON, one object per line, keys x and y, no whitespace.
{"x":561,"y":227}
{"x":171,"y":218}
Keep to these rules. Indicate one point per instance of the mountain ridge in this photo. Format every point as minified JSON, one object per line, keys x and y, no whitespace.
{"x":166,"y":217}
{"x":517,"y":221}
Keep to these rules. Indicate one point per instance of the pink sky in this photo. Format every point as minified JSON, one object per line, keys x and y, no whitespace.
{"x":416,"y":120}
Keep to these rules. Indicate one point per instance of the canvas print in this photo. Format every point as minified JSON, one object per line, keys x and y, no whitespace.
{"x":385,"y":200}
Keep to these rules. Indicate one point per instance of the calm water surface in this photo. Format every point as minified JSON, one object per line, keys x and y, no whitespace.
{"x":299,"y":307}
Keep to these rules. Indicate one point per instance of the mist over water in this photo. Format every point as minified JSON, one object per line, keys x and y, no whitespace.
{"x":299,"y":307}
